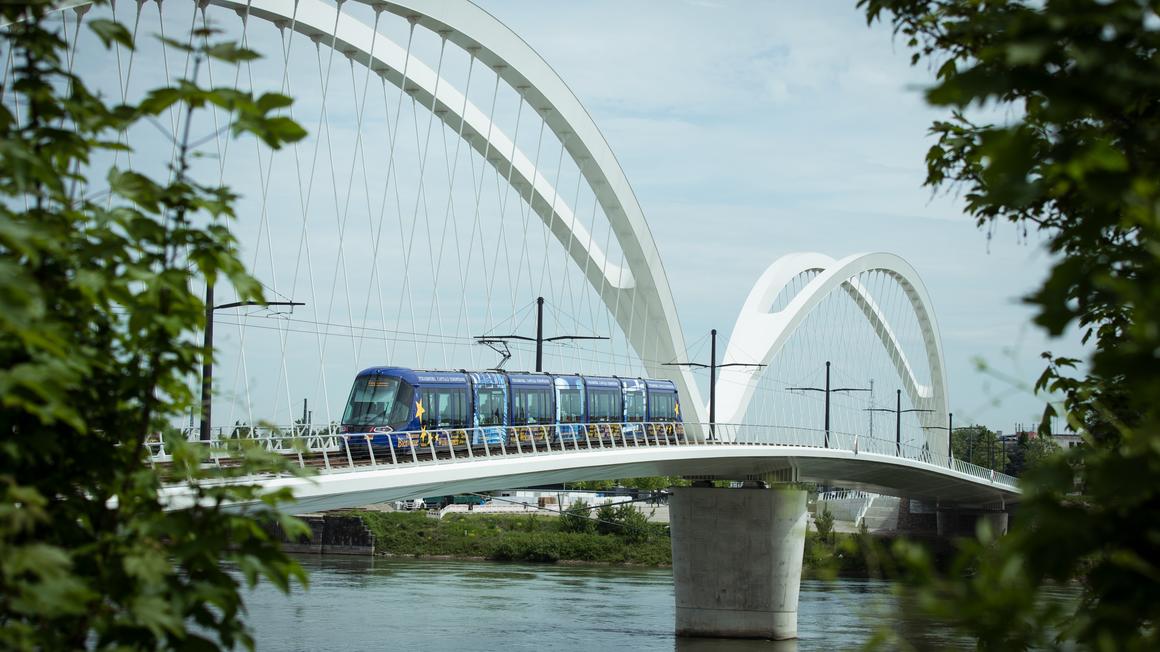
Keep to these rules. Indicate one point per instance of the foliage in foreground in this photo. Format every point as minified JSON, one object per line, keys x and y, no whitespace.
{"x":97,"y":324}
{"x":1077,"y":159}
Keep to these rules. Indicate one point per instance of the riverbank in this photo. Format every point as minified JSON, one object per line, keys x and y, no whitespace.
{"x":535,"y":538}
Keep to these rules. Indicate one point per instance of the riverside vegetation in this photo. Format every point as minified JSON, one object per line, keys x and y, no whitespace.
{"x":616,"y":535}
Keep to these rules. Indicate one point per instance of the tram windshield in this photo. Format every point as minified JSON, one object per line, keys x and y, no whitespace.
{"x":379,"y":401}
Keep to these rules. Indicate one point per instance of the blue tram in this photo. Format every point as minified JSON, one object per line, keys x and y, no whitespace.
{"x":405,"y":408}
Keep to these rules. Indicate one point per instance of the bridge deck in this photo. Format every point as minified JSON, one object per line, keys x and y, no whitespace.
{"x":352,"y":473}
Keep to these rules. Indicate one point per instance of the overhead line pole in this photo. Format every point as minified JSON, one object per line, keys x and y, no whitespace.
{"x":898,"y":412}
{"x":950,"y":435}
{"x":207,"y":352}
{"x":827,"y":391}
{"x":539,"y":339}
{"x":712,"y":367}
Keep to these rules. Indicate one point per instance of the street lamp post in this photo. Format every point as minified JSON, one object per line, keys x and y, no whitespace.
{"x":712,"y":367}
{"x":827,"y":389}
{"x":898,"y":412}
{"x":207,"y":351}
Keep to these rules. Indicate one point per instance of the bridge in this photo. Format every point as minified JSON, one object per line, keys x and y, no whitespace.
{"x":452,"y":176}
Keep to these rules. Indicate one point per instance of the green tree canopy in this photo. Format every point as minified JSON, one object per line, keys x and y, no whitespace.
{"x":1076,"y":157}
{"x":97,"y":343}
{"x":979,"y":445}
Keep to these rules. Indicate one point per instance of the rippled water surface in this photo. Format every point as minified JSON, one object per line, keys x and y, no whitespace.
{"x":386,"y":604}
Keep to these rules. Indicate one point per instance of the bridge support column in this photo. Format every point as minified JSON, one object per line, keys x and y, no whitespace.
{"x":737,"y":560}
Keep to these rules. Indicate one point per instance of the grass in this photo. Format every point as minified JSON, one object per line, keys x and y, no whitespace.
{"x":510,"y":538}
{"x":534,"y":538}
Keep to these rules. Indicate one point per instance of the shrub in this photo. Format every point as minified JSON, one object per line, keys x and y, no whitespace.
{"x":633,"y":524}
{"x":576,"y":519}
{"x":606,"y":520}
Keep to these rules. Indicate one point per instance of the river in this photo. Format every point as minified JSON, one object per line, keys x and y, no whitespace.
{"x":356,"y":603}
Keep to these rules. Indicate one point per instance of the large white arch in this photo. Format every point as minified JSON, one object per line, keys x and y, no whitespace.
{"x":761,"y":333}
{"x":639,"y":297}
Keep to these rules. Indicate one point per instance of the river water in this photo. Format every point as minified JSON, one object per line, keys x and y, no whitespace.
{"x":356,"y":603}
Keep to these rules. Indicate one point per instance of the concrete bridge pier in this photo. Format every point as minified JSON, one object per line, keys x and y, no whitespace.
{"x":737,"y":560}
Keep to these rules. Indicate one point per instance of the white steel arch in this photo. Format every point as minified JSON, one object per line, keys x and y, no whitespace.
{"x":639,"y":295}
{"x":639,"y":298}
{"x":758,"y":332}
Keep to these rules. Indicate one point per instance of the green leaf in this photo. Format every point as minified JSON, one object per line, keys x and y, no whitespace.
{"x":110,"y":32}
{"x":231,"y":53}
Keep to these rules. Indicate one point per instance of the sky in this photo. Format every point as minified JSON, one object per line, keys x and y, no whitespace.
{"x":748,"y":131}
{"x":751,"y":130}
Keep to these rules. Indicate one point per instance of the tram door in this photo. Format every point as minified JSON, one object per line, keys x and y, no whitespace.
{"x":491,"y":408}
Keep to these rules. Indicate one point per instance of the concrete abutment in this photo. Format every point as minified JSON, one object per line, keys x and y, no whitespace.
{"x":737,"y":560}
{"x":964,"y":522}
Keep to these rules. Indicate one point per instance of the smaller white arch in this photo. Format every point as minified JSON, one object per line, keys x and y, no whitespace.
{"x":761,"y":333}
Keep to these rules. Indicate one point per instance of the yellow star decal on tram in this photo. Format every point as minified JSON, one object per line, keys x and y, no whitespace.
{"x":419,"y":411}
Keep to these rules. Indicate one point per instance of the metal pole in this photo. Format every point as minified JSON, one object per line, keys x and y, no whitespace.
{"x":207,"y":363}
{"x":712,"y":383}
{"x":305,"y":415}
{"x":950,"y":435}
{"x":539,"y":333}
{"x":827,"y":442}
{"x":898,"y":422}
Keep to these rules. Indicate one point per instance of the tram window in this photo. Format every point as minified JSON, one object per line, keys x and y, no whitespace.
{"x":633,"y":405}
{"x":532,"y":406}
{"x":489,"y":406}
{"x":447,"y":408}
{"x":571,"y":405}
{"x":663,"y":406}
{"x":604,"y":405}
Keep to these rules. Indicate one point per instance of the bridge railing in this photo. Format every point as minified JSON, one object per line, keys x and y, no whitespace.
{"x":328,"y":449}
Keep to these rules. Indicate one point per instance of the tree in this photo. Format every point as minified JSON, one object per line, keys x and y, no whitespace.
{"x":824,"y":522}
{"x":1039,"y":450}
{"x":1077,"y":158}
{"x":97,"y":341}
{"x":979,"y":445}
{"x":1030,"y":452}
